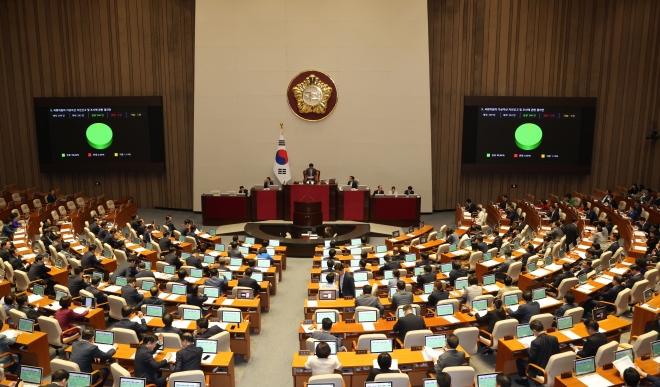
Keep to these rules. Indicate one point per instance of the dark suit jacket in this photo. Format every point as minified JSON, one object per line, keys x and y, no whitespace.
{"x":613,"y":247}
{"x":471,"y":208}
{"x":554,"y":216}
{"x":192,"y":299}
{"x":593,"y":218}
{"x":189,"y":359}
{"x":611,"y":294}
{"x":132,"y":325}
{"x":353,"y":184}
{"x":47,"y":241}
{"x":250,"y":283}
{"x":131,"y":295}
{"x":542,"y":348}
{"x":504,"y":267}
{"x":408,"y":323}
{"x":94,"y":228}
{"x":145,"y":365}
{"x":437,"y":296}
{"x":571,"y":232}
{"x":165,"y":244}
{"x":491,"y":317}
{"x":29,"y":312}
{"x":16,"y":263}
{"x":456,"y":274}
{"x":151,"y":301}
{"x":632,"y":280}
{"x":102,"y":234}
{"x":99,"y":295}
{"x":348,"y":287}
{"x":451,"y":358}
{"x":146,"y":237}
{"x":561,"y":277}
{"x":391,"y":265}
{"x":75,"y":284}
{"x":170,"y":226}
{"x":145,"y":274}
{"x":513,"y":215}
{"x":51,"y":199}
{"x":124,"y":270}
{"x":425,"y":278}
{"x":217,"y":283}
{"x":37,"y":271}
{"x":194,"y":262}
{"x":212,"y":331}
{"x":173,"y":259}
{"x":83,"y":353}
{"x":111,"y":240}
{"x":525,"y":312}
{"x":169,"y":329}
{"x":409,"y":192}
{"x":89,"y":260}
{"x":377,"y":192}
{"x":592,"y":344}
{"x":377,"y":371}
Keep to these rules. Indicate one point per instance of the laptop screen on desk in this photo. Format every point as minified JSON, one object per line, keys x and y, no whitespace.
{"x":59,"y":294}
{"x":213,"y":292}
{"x":366,"y":316}
{"x":187,"y":384}
{"x":154,"y":311}
{"x":274,"y":242}
{"x":249,"y":240}
{"x":582,"y":279}
{"x":259,"y":277}
{"x":209,"y":259}
{"x":418,"y":271}
{"x":487,"y":380}
{"x":31,"y":374}
{"x":209,"y":346}
{"x":377,"y":384}
{"x":480,"y":304}
{"x":428,"y":288}
{"x":235,"y":261}
{"x":196,"y":273}
{"x":185,"y":255}
{"x":147,"y":285}
{"x":488,"y":256}
{"x":104,"y":337}
{"x":444,"y":310}
{"x":356,"y":251}
{"x":511,"y":299}
{"x":263,"y":263}
{"x":564,"y":322}
{"x":411,"y":257}
{"x":321,"y":315}
{"x":97,"y":274}
{"x":445,"y":268}
{"x":356,"y":242}
{"x":381,"y":249}
{"x":460,"y":284}
{"x":244,"y":250}
{"x":538,"y":293}
{"x":38,"y":289}
{"x":355,"y":263}
{"x":169,"y":269}
{"x":25,"y":325}
{"x":655,"y":348}
{"x":220,"y":247}
{"x":79,"y":379}
{"x":132,"y":382}
{"x":585,"y":366}
{"x":179,"y":289}
{"x":121,"y":281}
{"x":429,"y":383}
{"x":361,"y":276}
{"x":331,"y":343}
{"x":531,"y":267}
{"x":231,"y":316}
{"x":435,"y":341}
{"x":523,"y":330}
{"x":623,"y":353}
{"x":648,"y":295}
{"x":400,"y":312}
{"x":381,"y":345}
{"x":488,"y":279}
{"x":388,"y":274}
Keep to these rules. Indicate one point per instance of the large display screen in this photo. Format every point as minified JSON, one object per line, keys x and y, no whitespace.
{"x":100,"y":134}
{"x":528,"y":135}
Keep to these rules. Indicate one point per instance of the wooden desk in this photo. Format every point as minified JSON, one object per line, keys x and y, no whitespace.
{"x":219,"y":210}
{"x":5,"y":288}
{"x":398,"y":211}
{"x":95,"y":317}
{"x":407,"y":238}
{"x":250,"y":308}
{"x":612,"y":375}
{"x":36,"y":344}
{"x":346,"y":308}
{"x":353,"y":205}
{"x":643,"y":315}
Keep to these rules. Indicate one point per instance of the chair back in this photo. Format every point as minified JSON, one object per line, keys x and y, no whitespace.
{"x":116,"y":303}
{"x":224,"y":344}
{"x":621,"y":302}
{"x":514,"y":271}
{"x":187,"y":306}
{"x":335,"y":379}
{"x":188,"y":376}
{"x":558,"y":364}
{"x":637,"y":292}
{"x":565,"y":285}
{"x":3,"y":315}
{"x":15,"y":315}
{"x":576,"y":313}
{"x":468,"y":339}
{"x":117,"y":372}
{"x":71,"y":205}
{"x":366,"y":308}
{"x":171,"y":340}
{"x":618,"y":254}
{"x":503,"y":328}
{"x":85,"y":293}
{"x":545,"y":318}
{"x":160,"y":265}
{"x":474,"y":259}
{"x":433,"y":236}
{"x":606,"y":256}
{"x":61,"y":364}
{"x":125,"y":336}
{"x":605,"y":353}
{"x":53,"y":330}
{"x":397,"y":380}
{"x":488,"y":297}
{"x":642,"y":345}
{"x":493,"y":252}
{"x":364,"y":340}
{"x":416,"y":337}
{"x":110,"y":204}
{"x":533,"y":259}
{"x":120,"y":256}
{"x":62,"y":288}
{"x":651,"y":276}
{"x":192,"y":241}
{"x":461,"y":376}
{"x":443,"y":248}
{"x":21,"y":280}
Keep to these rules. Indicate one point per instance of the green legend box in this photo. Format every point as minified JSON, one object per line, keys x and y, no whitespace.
{"x":487,"y":155}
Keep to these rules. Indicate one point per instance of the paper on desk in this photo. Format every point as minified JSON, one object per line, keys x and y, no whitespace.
{"x":213,"y":253}
{"x":460,"y":252}
{"x":640,"y":248}
{"x":521,"y":250}
{"x":539,"y":272}
{"x":393,"y":240}
{"x":308,"y":328}
{"x":9,"y":333}
{"x":570,"y":334}
{"x":222,"y":325}
{"x":395,"y":364}
{"x":368,"y":326}
{"x":430,"y":353}
{"x":583,"y":290}
{"x":526,"y":341}
{"x":34,"y":297}
{"x":623,"y":364}
{"x":384,"y":282}
{"x":492,"y":288}
{"x":208,"y":358}
{"x":112,"y":288}
{"x":583,"y":247}
{"x":173,"y":358}
{"x":28,"y":256}
{"x":163,"y":295}
{"x":409,"y":264}
{"x":451,"y":319}
{"x":456,"y":294}
{"x":640,"y":240}
{"x":154,"y":355}
{"x":172,"y":297}
{"x":482,"y":313}
{"x":233,"y":268}
{"x":25,"y":249}
{"x":230,"y":301}
{"x":618,"y":270}
{"x":490,"y":263}
{"x":543,"y":302}
{"x":192,"y":280}
{"x":410,"y":235}
{"x":139,"y":321}
{"x":129,"y":244}
{"x":464,"y":228}
{"x":513,"y":307}
{"x":204,"y":236}
{"x":181,"y":324}
{"x":79,"y":309}
{"x":573,"y":260}
{"x":603,"y":280}
{"x":76,"y":247}
{"x":594,"y":380}
{"x":210,"y":301}
{"x":104,"y":347}
{"x":626,"y":263}
{"x":140,"y":249}
{"x":639,"y":233}
{"x":587,"y":286}
{"x":601,"y":330}
{"x":539,"y":240}
{"x":425,"y":297}
{"x":361,"y":284}
{"x":553,"y":267}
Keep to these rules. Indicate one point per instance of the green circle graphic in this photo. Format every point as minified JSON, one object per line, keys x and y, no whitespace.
{"x":528,"y":136}
{"x":99,"y":136}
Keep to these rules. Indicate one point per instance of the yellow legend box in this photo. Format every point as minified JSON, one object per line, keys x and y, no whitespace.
{"x":543,"y":156}
{"x":116,"y":154}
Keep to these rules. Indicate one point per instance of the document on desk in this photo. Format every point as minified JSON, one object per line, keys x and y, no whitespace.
{"x":451,"y":319}
{"x":163,"y":296}
{"x":10,"y":333}
{"x":626,"y":263}
{"x":514,"y":307}
{"x":172,"y":297}
{"x":79,"y":310}
{"x":139,"y":320}
{"x":173,"y":358}
{"x":619,"y":270}
{"x":583,"y":247}
{"x":623,"y":364}
{"x":395,"y":364}
{"x":594,"y":380}
{"x":129,"y":244}
{"x":384,"y":282}
{"x":308,"y":328}
{"x":425,"y":297}
{"x":210,"y":301}
{"x":229,"y":301}
{"x":603,"y":280}
{"x":368,"y":326}
{"x":639,"y":233}
{"x":104,"y":347}
{"x":26,"y":249}
{"x":521,"y":250}
{"x":361,"y":284}
{"x":112,"y":288}
{"x":222,"y":325}
{"x":638,"y":248}
{"x":490,"y":263}
{"x":139,"y":249}
{"x":547,"y":301}
{"x":538,"y":240}
{"x":526,"y":341}
{"x":181,"y":324}
{"x":539,"y":272}
{"x":570,"y":334}
{"x":393,"y":240}
{"x":491,"y":288}
{"x":205,"y":236}
{"x":34,"y":297}
{"x":430,"y":353}
{"x":29,"y":256}
{"x":310,"y":304}
{"x":553,"y":267}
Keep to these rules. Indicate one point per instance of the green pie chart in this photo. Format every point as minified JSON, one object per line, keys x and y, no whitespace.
{"x":528,"y":136}
{"x":99,"y":136}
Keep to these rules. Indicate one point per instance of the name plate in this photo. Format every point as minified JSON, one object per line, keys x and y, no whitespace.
{"x":416,"y":348}
{"x":390,"y":318}
{"x":306,"y":322}
{"x":134,"y":345}
{"x":312,"y":298}
{"x":348,"y":297}
{"x":303,"y":353}
{"x":350,"y":321}
{"x":360,"y":351}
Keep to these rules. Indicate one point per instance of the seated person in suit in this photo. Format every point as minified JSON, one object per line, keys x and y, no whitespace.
{"x":168,"y":328}
{"x":242,"y":190}
{"x":635,"y":276}
{"x":511,"y":214}
{"x":216,"y":280}
{"x":76,"y":282}
{"x":539,"y":352}
{"x":89,"y":259}
{"x":402,"y":296}
{"x":181,"y":275}
{"x":325,"y":335}
{"x":146,"y":366}
{"x":569,"y":303}
{"x":64,"y":315}
{"x":38,"y":269}
{"x":363,"y":266}
{"x":439,"y":293}
{"x":409,"y":322}
{"x":152,"y":298}
{"x":566,"y":273}
{"x":15,"y":260}
{"x":192,"y":233}
{"x":500,"y":272}
{"x":330,"y":266}
{"x":329,"y":281}
{"x":491,"y":318}
{"x":593,"y":342}
{"x":586,"y":267}
{"x":525,"y":312}
{"x":366,"y":299}
{"x":130,"y":294}
{"x":310,"y":174}
{"x":505,"y":201}
{"x":389,"y":264}
{"x":424,"y":260}
{"x":393,"y":191}
{"x":472,"y":291}
{"x":103,"y":231}
{"x":267,"y":182}
{"x":173,"y":258}
{"x":469,"y":206}
{"x":189,"y":357}
{"x":397,"y":254}
{"x":409,"y":191}
{"x":126,"y":269}
{"x":607,"y":296}
{"x":384,"y":367}
{"x":529,"y":253}
{"x":126,"y":323}
{"x":480,"y":245}
{"x":110,"y":238}
{"x":165,"y":243}
{"x":233,"y":251}
{"x":379,"y":191}
{"x":451,"y":236}
{"x":614,"y":238}
{"x":196,"y":296}
{"x":263,"y":254}
{"x":204,"y":332}
{"x":508,"y":287}
{"x":194,"y":261}
{"x":452,"y":357}
{"x":93,"y":226}
{"x":322,"y":363}
{"x":51,"y":198}
{"x":427,"y":277}
{"x":143,"y":272}
{"x":458,"y":271}
{"x":134,"y":222}
{"x":146,"y":236}
{"x":352,"y":183}
{"x":23,"y":306}
{"x":101,"y":298}
{"x":83,"y":353}
{"x":248,"y":282}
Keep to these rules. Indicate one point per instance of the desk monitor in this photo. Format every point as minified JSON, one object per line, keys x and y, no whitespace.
{"x":148,"y":246}
{"x":648,"y":295}
{"x":231,"y":316}
{"x":220,"y":247}
{"x":107,"y":253}
{"x":209,"y":259}
{"x":488,"y":279}
{"x":79,"y":379}
{"x":445,"y":268}
{"x":121,"y":281}
{"x":182,"y":239}
{"x":31,"y":374}
{"x":516,"y":245}
{"x":599,"y":271}
{"x":388,"y":274}
{"x":488,"y":257}
{"x":599,"y":313}
{"x":326,"y":252}
{"x":327,"y":242}
{"x":104,"y":337}
{"x":356,"y":251}
{"x":548,"y":260}
{"x":259,"y":277}
{"x":427,"y":383}
{"x":452,"y":248}
{"x":582,"y":279}
{"x":367,"y":316}
{"x":191,"y":314}
{"x":623,"y":353}
{"x":132,"y":382}
{"x":154,"y":311}
{"x":147,"y":285}
{"x":537,"y":294}
{"x":59,"y":294}
{"x":411,"y":257}
{"x":428,"y":288}
{"x":88,"y":302}
{"x":440,"y":235}
{"x":400,"y":312}
{"x":585,"y":366}
{"x":561,"y":254}
{"x":355,"y":263}
{"x":395,"y":234}
{"x":423,"y":240}
{"x":511,"y":299}
{"x":468,"y":243}
{"x":212,"y":292}
{"x":564,"y":322}
{"x":327,"y":294}
{"x":245,"y":294}
{"x":655,"y":348}
{"x":480,"y":304}
{"x":421,"y":224}
{"x":321,"y":315}
{"x":523,"y":330}
{"x":392,"y":291}
{"x":249,"y":240}
{"x":212,"y":233}
{"x":460,"y":284}
{"x":531,"y":267}
{"x":25,"y":325}
{"x":274,"y":242}
{"x":147,"y":266}
{"x":356,"y":242}
{"x":179,"y":289}
{"x":381,"y":345}
{"x":136,"y":241}
{"x":244,"y":250}
{"x":360,"y":276}
{"x":418,"y":271}
{"x":263,"y":263}
{"x":435,"y":341}
{"x":489,"y":232}
{"x":235,"y":261}
{"x":196,"y":273}
{"x":270,"y":251}
{"x":98,"y":274}
{"x":381,"y":249}
{"x":187,"y":384}
{"x":228,"y":274}
{"x":378,"y":384}
{"x":487,"y":380}
{"x":209,"y":346}
{"x":331,"y":343}
{"x":185,"y":256}
{"x":169,"y":269}
{"x":38,"y":289}
{"x":444,"y":310}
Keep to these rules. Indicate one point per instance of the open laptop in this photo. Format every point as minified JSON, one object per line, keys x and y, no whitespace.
{"x":121,"y":281}
{"x":179,"y":289}
{"x":565,"y":322}
{"x":169,"y":269}
{"x":367,"y":316}
{"x":460,"y":284}
{"x":655,"y":350}
{"x":648,"y":296}
{"x":538,"y":294}
{"x":410,"y":260}
{"x":488,"y":279}
{"x":355,"y":263}
{"x":230,"y":316}
{"x":427,"y":383}
{"x":196,"y":273}
{"x":244,"y":250}
{"x":401,"y":313}
{"x":487,"y":380}
{"x":25,"y":325}
{"x":445,"y":268}
{"x":388,"y":274}
{"x":360,"y":276}
{"x":377,"y":384}
{"x":182,"y":383}
{"x":154,"y":311}
{"x":584,"y":366}
{"x":259,"y":277}
{"x":38,"y":289}
{"x":435,"y":341}
{"x":220,"y":247}
{"x":444,"y":310}
{"x":191,"y":314}
{"x":104,"y":339}
{"x":249,"y":241}
{"x":213,"y":292}
{"x":599,"y":313}
{"x":428,"y":288}
{"x":235,"y":263}
{"x":582,"y":279}
{"x":327,"y":294}
{"x":331,"y":343}
{"x":488,"y":257}
{"x":79,"y":379}
{"x":524,"y":334}
{"x":263,"y":263}
{"x":381,"y":345}
{"x":481,"y":306}
{"x":321,"y":315}
{"x":381,"y":251}
{"x":418,"y":271}
{"x":88,"y":302}
{"x":531,"y":267}
{"x":147,"y":285}
{"x":356,"y":252}
{"x":59,"y":294}
{"x":623,"y":353}
{"x":132,"y":382}
{"x":209,"y":347}
{"x":391,"y":291}
{"x":31,"y":375}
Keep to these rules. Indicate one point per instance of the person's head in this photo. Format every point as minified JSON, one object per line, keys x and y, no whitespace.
{"x":507,"y":254}
{"x":387,"y":257}
{"x":410,"y":188}
{"x":150,"y":228}
{"x":46,"y":232}
{"x":400,"y":285}
{"x":234,"y":245}
{"x":66,"y":245}
{"x":65,"y":302}
{"x":631,"y":377}
{"x":642,"y":219}
{"x":96,"y":281}
{"x":10,"y":299}
{"x":527,"y":296}
{"x":134,"y":217}
{"x":366,"y":290}
{"x":241,"y":187}
{"x":262,"y":250}
{"x":4,"y":245}
{"x":126,"y":311}
{"x":326,"y":324}
{"x":634,"y":268}
{"x":154,"y":291}
{"x":384,"y":361}
{"x":131,"y":260}
{"x":508,"y":281}
{"x":78,"y":271}
{"x":182,"y":273}
{"x":502,"y":380}
{"x":530,"y":248}
{"x":393,"y":188}
{"x":452,"y":341}
{"x":150,"y":341}
{"x":456,"y":264}
{"x":21,"y":299}
{"x":424,"y":256}
{"x":380,"y":187}
{"x":252,"y":263}
{"x":167,"y":319}
{"x":473,"y":280}
{"x":428,"y":268}
{"x":351,"y":178}
{"x":497,"y":304}
{"x":39,"y":258}
{"x":617,"y":280}
{"x":591,"y":325}
{"x":141,"y":266}
{"x":468,"y":201}
{"x":569,"y":297}
{"x":332,"y":253}
{"x":202,"y":325}
{"x":396,"y":273}
{"x":590,"y":252}
{"x":586,"y":263}
{"x":323,"y":350}
{"x":88,"y":334}
{"x":60,"y":377}
{"x":131,"y":281}
{"x":407,"y":309}
{"x":187,"y":339}
{"x":213,"y":272}
{"x":566,"y":266}
{"x":330,"y":263}
{"x":268,"y":179}
{"x":449,"y":230}
{"x":595,"y":246}
{"x":339,"y":268}
{"x":396,"y":250}
{"x":248,"y":272}
{"x":615,"y":237}
{"x":536,"y":326}
{"x":311,"y":165}
{"x":443,"y":379}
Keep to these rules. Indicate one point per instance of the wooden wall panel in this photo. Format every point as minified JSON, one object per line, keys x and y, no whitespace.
{"x":89,"y":48}
{"x":609,"y":49}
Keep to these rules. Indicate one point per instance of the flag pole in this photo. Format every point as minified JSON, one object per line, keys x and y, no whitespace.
{"x":281,"y":127}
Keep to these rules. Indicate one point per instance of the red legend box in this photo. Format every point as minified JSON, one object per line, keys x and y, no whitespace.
{"x":515,"y":155}
{"x":89,"y":155}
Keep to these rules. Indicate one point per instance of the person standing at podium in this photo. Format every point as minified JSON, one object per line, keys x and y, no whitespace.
{"x":268,"y":182}
{"x":379,"y":191}
{"x":310,"y":174}
{"x":352,"y":182}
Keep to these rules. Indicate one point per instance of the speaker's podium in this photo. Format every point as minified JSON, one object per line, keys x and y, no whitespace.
{"x":307,"y":214}
{"x":325,"y":194}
